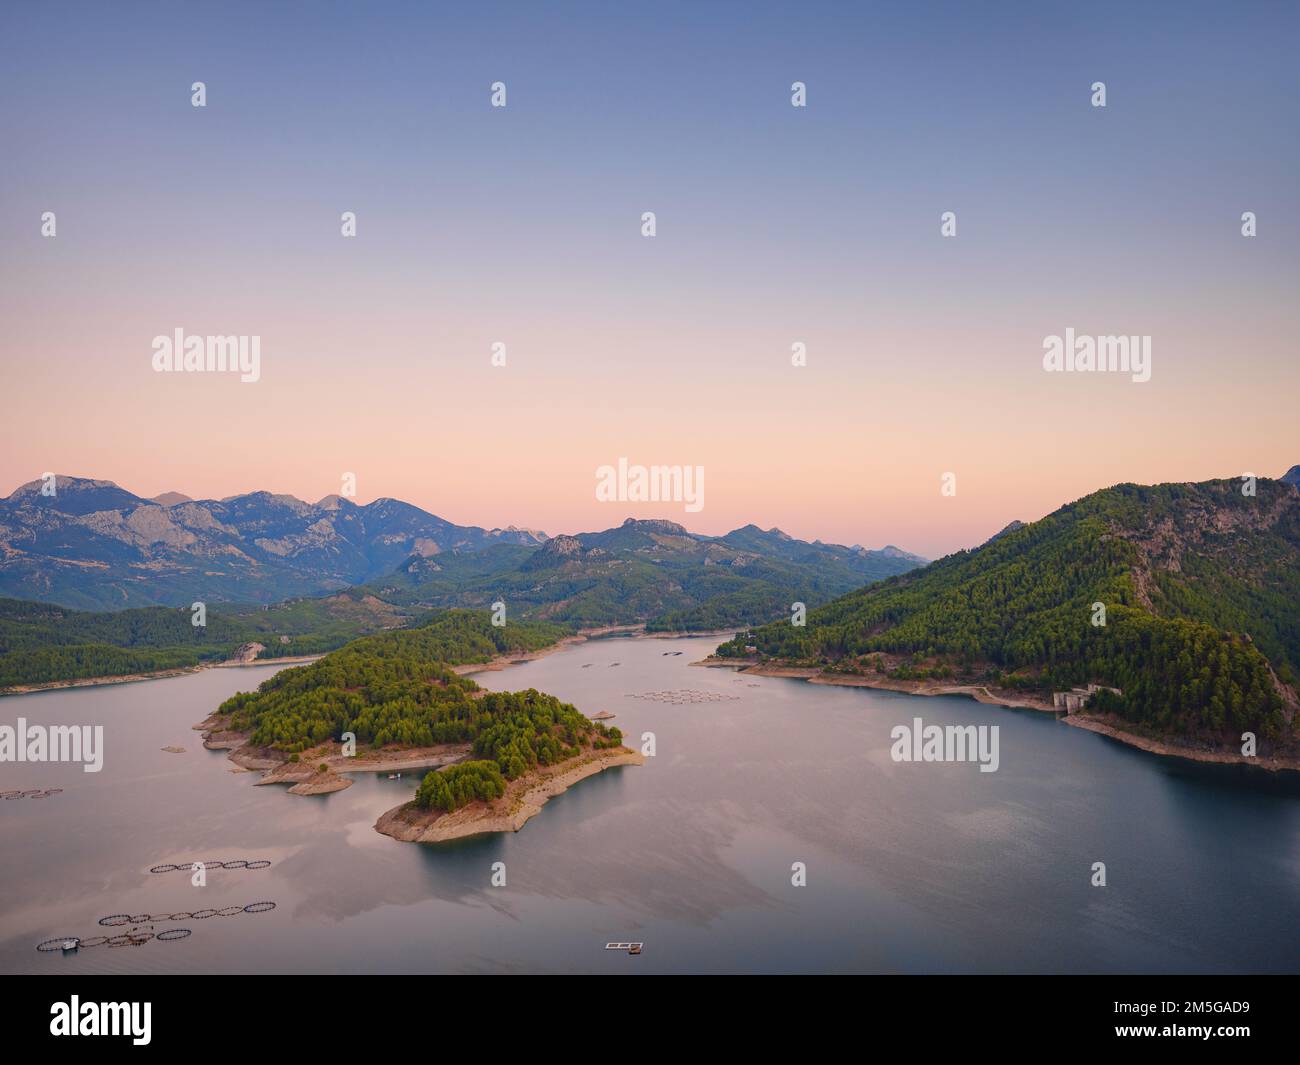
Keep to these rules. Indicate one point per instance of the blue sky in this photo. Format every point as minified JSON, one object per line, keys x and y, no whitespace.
{"x":775,"y":224}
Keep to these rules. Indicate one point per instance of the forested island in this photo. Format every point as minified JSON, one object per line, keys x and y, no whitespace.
{"x":1182,"y":597}
{"x":400,"y":696}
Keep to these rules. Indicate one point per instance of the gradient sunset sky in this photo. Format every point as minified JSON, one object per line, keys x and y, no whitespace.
{"x":775,"y":225}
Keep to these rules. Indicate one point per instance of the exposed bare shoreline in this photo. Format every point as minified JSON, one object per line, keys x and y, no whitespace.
{"x":305,"y":776}
{"x":159,"y":674}
{"x":500,"y":662}
{"x":523,"y":800}
{"x":1094,"y":724}
{"x":998,"y":697}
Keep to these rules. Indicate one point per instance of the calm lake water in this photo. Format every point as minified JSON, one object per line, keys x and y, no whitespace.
{"x":910,"y":867}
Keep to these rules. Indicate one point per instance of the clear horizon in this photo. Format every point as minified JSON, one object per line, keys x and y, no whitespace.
{"x":776,"y":225}
{"x":668,"y":515}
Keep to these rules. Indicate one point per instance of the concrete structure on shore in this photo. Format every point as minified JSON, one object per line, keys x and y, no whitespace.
{"x":1077,"y":698}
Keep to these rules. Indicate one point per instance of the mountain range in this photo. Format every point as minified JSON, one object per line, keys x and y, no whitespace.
{"x":102,"y":581}
{"x":1180,"y":601}
{"x":92,"y":545}
{"x":645,"y":570}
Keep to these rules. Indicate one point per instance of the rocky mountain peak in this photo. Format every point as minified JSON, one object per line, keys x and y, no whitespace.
{"x":655,"y":525}
{"x":555,"y":552}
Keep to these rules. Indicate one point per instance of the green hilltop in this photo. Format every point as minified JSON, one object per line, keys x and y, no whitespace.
{"x":398,"y":689}
{"x":1200,"y":584}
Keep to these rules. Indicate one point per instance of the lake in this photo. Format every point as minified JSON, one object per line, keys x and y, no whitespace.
{"x":910,"y":867}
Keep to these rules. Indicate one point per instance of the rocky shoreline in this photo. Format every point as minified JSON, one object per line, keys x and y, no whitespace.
{"x":523,"y":800}
{"x":305,"y":776}
{"x":325,"y":769}
{"x":1107,"y":726}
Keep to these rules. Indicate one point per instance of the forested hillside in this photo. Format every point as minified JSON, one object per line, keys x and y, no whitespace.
{"x":92,"y":544}
{"x":1201,"y":590}
{"x":399,"y":689}
{"x":40,"y":642}
{"x":650,"y":571}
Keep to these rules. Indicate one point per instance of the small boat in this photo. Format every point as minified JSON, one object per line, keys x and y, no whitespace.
{"x":394,"y":776}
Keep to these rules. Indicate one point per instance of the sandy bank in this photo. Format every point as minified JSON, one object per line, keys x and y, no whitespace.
{"x":524,"y":799}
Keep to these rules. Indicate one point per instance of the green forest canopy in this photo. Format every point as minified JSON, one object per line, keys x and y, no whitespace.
{"x":1018,"y":610}
{"x":398,"y":688}
{"x":41,"y":642}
